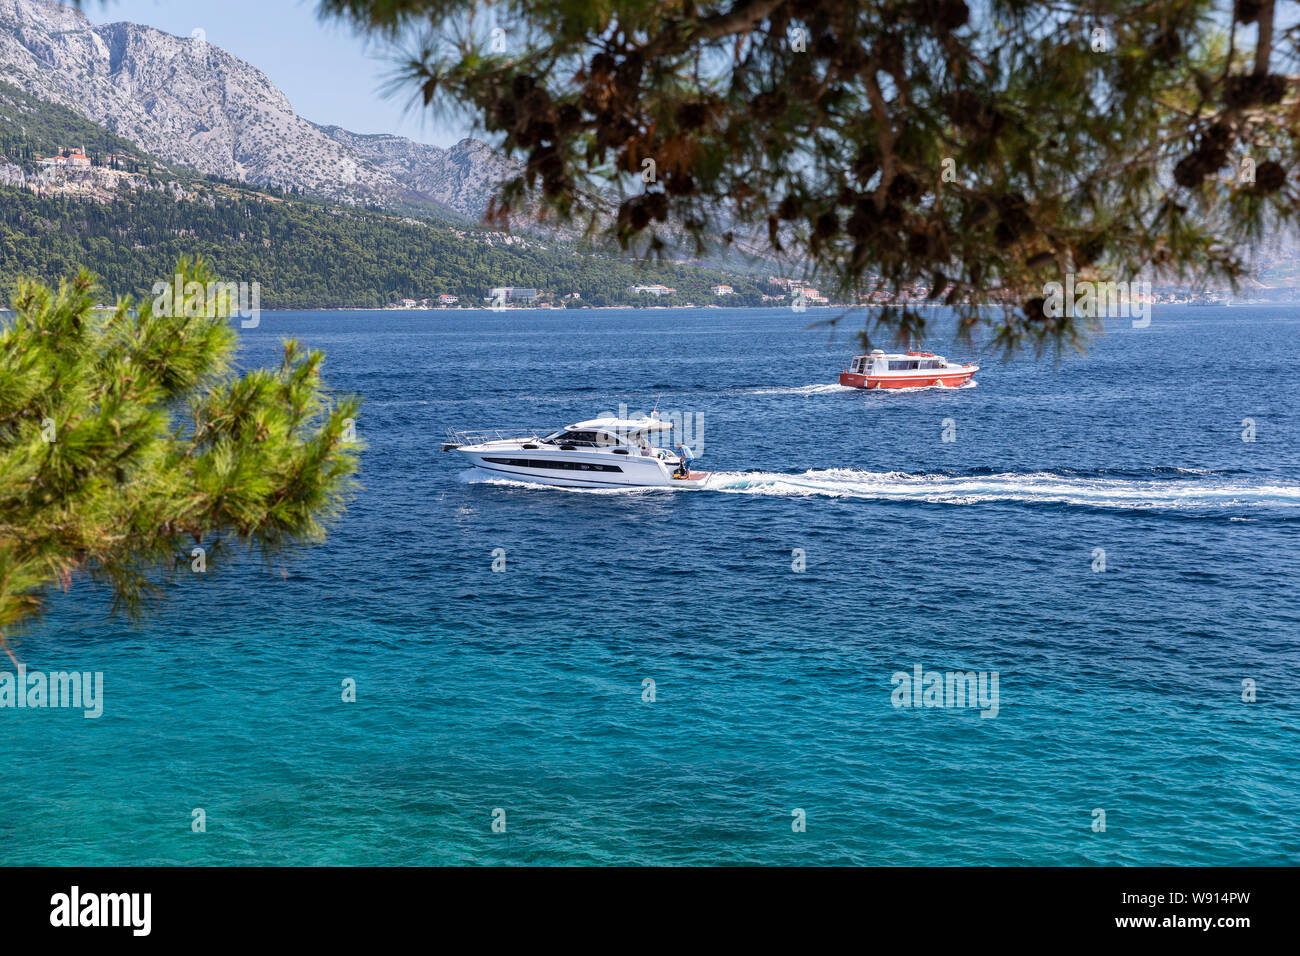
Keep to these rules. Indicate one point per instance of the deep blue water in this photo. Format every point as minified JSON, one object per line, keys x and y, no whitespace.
{"x":522,"y":690}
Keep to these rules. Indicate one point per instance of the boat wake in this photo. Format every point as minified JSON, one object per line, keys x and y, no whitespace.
{"x":835,"y":388}
{"x":805,"y":390}
{"x":921,"y":388}
{"x":1186,"y":493}
{"x":1182,"y":490}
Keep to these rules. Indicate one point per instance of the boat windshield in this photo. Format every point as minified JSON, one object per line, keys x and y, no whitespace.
{"x":581,"y":437}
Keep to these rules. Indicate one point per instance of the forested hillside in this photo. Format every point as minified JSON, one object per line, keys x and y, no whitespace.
{"x":308,"y":254}
{"x":304,"y":252}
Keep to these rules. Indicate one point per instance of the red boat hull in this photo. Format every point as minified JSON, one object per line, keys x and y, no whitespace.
{"x":944,"y":377}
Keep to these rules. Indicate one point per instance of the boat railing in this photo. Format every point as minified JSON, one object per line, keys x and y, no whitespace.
{"x":479,"y":436}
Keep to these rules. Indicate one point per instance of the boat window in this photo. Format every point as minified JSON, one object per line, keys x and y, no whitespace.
{"x":552,"y":464}
{"x":578,"y":436}
{"x":903,"y":365}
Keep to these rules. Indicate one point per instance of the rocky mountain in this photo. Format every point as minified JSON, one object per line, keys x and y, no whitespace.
{"x":189,"y":102}
{"x":461,"y":178}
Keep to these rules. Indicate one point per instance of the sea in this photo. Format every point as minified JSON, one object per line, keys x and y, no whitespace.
{"x":1048,"y":618}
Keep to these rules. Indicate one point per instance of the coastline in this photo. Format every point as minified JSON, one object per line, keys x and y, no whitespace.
{"x":829,"y":307}
{"x":833,"y":307}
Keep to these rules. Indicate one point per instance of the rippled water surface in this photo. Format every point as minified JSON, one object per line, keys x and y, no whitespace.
{"x":1118,"y":690}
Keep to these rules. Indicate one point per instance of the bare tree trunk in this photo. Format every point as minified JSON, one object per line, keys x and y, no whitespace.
{"x":1264,"y":45}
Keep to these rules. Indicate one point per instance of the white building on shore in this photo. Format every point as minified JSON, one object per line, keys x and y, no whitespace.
{"x":76,"y":157}
{"x":508,"y":293}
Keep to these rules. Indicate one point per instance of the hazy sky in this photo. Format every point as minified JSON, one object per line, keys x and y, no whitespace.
{"x":328,"y":73}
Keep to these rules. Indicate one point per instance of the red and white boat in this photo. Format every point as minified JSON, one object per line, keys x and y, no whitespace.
{"x":905,"y":370}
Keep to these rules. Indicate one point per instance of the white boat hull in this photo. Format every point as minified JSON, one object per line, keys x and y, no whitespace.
{"x":573,"y":469}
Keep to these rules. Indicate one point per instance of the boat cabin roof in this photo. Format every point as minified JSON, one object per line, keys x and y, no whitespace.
{"x":877,"y":353}
{"x":644,"y":424}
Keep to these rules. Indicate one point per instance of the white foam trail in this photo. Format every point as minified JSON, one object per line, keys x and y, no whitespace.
{"x":1190,"y":493}
{"x":804,"y":390}
{"x":808,"y":390}
{"x":1037,"y":487}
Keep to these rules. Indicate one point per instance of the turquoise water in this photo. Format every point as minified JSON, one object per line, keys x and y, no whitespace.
{"x":522,"y":690}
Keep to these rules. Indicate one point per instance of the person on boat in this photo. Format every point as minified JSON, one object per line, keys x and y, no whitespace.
{"x":645,"y":447}
{"x":685,"y":456}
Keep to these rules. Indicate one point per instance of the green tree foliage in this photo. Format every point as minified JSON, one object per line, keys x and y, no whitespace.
{"x":306,"y":254}
{"x":984,"y":149}
{"x":126,"y":440}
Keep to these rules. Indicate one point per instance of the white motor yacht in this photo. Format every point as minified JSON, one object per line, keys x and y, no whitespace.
{"x":601,"y":453}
